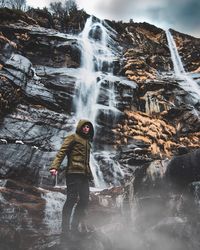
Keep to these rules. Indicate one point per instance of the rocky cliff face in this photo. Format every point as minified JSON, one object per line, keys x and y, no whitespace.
{"x":147,"y":129}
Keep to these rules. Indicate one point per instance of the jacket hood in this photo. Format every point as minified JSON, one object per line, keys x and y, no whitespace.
{"x":80,"y":124}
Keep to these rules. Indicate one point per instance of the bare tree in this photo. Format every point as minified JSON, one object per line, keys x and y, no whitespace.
{"x":3,"y":3}
{"x":70,"y":6}
{"x":57,"y":9}
{"x":14,"y":4}
{"x":63,"y":9}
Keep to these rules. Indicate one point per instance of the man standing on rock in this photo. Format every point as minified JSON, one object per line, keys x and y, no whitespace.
{"x":78,"y":173}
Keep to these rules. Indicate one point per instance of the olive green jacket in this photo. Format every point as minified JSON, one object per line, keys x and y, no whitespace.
{"x":77,"y":149}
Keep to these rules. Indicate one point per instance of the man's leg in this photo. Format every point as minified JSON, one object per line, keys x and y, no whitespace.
{"x":83,"y":191}
{"x":72,"y":196}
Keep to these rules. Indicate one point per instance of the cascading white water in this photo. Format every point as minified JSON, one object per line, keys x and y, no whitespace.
{"x":97,"y":56}
{"x":53,"y":210}
{"x":178,"y":66}
{"x":187,"y":83}
{"x":112,"y":99}
{"x":97,"y":173}
{"x":113,"y":166}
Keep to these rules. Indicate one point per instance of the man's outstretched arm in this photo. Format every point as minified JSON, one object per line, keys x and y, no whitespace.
{"x":61,"y":154}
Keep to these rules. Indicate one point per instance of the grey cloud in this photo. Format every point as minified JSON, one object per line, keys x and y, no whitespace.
{"x":123,"y":9}
{"x":183,"y":16}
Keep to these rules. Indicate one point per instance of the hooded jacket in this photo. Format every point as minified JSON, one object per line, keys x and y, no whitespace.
{"x":77,"y":149}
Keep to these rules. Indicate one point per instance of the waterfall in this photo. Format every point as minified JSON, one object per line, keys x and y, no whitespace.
{"x":178,"y":66}
{"x":97,"y":55}
{"x":187,"y":83}
{"x":108,"y":159}
{"x":97,"y":174}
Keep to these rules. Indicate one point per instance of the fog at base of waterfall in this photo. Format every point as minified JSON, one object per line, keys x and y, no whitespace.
{"x":148,"y":224}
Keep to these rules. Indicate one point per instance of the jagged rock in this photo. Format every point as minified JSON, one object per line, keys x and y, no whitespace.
{"x":9,"y":45}
{"x":184,"y":169}
{"x":42,"y":46}
{"x":12,"y":16}
{"x":10,"y":96}
{"x":43,"y":17}
{"x":19,"y":63}
{"x":141,"y":125}
{"x":28,"y":168}
{"x":9,"y":237}
{"x":23,"y":217}
{"x":122,"y":90}
{"x":159,"y":136}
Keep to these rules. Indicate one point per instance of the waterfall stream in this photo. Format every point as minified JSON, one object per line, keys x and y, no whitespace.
{"x":96,"y":57}
{"x":97,"y":54}
{"x":187,"y":83}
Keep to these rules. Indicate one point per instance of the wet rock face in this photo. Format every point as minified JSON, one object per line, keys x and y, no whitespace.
{"x":43,"y":47}
{"x":32,"y":58}
{"x":32,"y":136}
{"x":10,"y":96}
{"x":27,"y":224}
{"x":147,"y":53}
{"x":61,"y":53}
{"x":153,"y":119}
{"x":32,"y":64}
{"x":10,"y":238}
{"x":167,"y":202}
{"x":25,"y":163}
{"x":160,"y":137}
{"x":22,"y":216}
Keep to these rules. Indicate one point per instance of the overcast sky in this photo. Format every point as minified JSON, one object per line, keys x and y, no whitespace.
{"x":181,"y":15}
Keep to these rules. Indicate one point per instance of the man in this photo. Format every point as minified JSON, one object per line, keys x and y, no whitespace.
{"x":78,"y":173}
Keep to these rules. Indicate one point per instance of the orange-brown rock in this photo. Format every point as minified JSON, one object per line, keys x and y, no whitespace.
{"x":160,"y":136}
{"x":4,"y":40}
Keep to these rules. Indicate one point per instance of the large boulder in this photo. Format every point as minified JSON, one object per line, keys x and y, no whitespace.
{"x":184,"y":169}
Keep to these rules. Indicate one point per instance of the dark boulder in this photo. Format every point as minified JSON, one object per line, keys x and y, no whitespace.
{"x":184,"y":169}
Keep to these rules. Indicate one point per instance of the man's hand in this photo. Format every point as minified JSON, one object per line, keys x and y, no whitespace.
{"x":53,"y":172}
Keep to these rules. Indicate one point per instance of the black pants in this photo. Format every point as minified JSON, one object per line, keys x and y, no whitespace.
{"x":76,"y":202}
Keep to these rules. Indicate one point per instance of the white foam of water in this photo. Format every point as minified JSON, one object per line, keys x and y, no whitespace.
{"x":96,"y":54}
{"x":53,"y":210}
{"x":117,"y":171}
{"x":97,"y":174}
{"x":187,"y":83}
